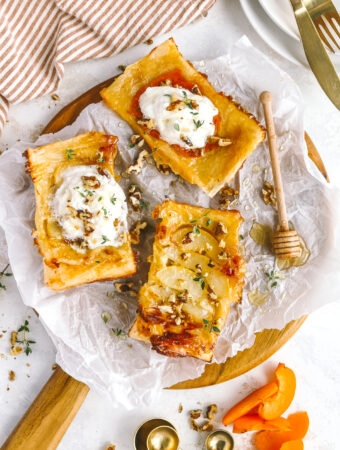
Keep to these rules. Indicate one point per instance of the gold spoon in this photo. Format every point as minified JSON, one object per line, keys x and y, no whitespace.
{"x":147,"y":429}
{"x":163,"y":438}
{"x":219,"y":440}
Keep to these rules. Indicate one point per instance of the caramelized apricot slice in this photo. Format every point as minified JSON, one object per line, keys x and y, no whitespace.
{"x":275,"y":406}
{"x":253,"y":422}
{"x":273,"y":440}
{"x":251,"y":401}
{"x":292,"y":445}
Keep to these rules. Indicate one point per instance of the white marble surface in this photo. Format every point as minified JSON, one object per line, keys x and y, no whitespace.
{"x":312,"y":353}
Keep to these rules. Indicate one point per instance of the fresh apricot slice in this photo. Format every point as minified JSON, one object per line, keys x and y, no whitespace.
{"x":253,"y":422}
{"x":273,"y":440}
{"x":292,"y":445}
{"x":251,"y":401}
{"x":276,"y":405}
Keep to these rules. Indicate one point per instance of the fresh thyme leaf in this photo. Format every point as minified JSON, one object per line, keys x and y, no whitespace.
{"x":274,"y":284}
{"x":196,"y":230}
{"x":113,"y":200}
{"x":208,"y":222}
{"x":98,"y":262}
{"x":83,"y":195}
{"x":105,"y":212}
{"x":200,"y":280}
{"x":200,"y":217}
{"x":131,"y":145}
{"x":184,"y":94}
{"x":89,"y":192}
{"x":100,"y":199}
{"x":205,"y":321}
{"x":176,"y":126}
{"x":154,"y":150}
{"x":167,"y":95}
{"x":194,"y":113}
{"x":3,"y":273}
{"x":144,"y":204}
{"x":26,"y":342}
{"x":217,"y":330}
{"x":241,"y":236}
{"x":3,"y":287}
{"x":198,"y":123}
{"x":69,"y":153}
{"x":119,"y":333}
{"x":101,"y":159}
{"x":105,"y":239}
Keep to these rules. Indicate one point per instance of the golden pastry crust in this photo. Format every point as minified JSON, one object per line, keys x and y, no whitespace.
{"x":196,"y":273}
{"x":216,"y":167}
{"x":64,"y":267}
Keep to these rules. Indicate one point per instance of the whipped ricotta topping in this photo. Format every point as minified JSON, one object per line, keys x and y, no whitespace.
{"x":180,"y":117}
{"x":90,"y":207}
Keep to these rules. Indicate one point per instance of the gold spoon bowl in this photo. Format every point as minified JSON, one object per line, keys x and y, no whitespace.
{"x":156,"y":434}
{"x":219,"y":440}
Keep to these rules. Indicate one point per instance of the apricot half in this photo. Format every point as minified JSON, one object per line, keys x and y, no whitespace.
{"x":253,"y":422}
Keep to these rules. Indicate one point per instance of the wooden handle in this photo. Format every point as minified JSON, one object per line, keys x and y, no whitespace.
{"x":47,"y":419}
{"x":266,"y":100}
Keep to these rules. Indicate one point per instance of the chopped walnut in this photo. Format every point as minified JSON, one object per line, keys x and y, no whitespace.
{"x":186,"y":140}
{"x":55,"y":97}
{"x":126,"y":288}
{"x":88,"y":228}
{"x":268,"y":193}
{"x":227,"y":195}
{"x":205,"y":426}
{"x":121,"y":67}
{"x":166,"y":82}
{"x":165,"y":309}
{"x":183,"y":296}
{"x":137,"y":167}
{"x":90,"y":182}
{"x":211,"y":264}
{"x":148,"y":42}
{"x":111,"y":447}
{"x":136,"y":139}
{"x":135,"y":233}
{"x":222,"y":243}
{"x":195,"y":89}
{"x":176,"y":104}
{"x":188,"y":238}
{"x":198,"y":268}
{"x":163,"y":168}
{"x":148,"y":123}
{"x":178,"y":321}
{"x":195,"y":413}
{"x":221,"y":142}
{"x":220,"y":229}
{"x":211,"y":411}
{"x":184,"y":256}
{"x":11,"y":375}
{"x":223,"y":255}
{"x":84,"y":214}
{"x":135,"y":197}
{"x":102,"y":172}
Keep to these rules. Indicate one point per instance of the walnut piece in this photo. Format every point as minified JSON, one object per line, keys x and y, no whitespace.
{"x":11,"y":375}
{"x":195,"y":413}
{"x":268,"y":193}
{"x":137,"y":167}
{"x":135,"y":233}
{"x":221,"y":142}
{"x":211,"y":411}
{"x":126,"y":288}
{"x":227,"y":195}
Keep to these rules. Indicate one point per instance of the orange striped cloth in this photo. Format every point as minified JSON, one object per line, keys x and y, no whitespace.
{"x":38,"y":36}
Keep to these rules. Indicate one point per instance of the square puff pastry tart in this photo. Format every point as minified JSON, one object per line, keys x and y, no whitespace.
{"x":236,"y":135}
{"x":196,"y":273}
{"x":65,"y":265}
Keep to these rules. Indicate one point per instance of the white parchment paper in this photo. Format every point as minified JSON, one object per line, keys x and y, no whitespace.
{"x":128,"y":371}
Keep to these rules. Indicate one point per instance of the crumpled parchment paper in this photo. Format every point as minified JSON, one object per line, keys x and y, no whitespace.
{"x":128,"y":371}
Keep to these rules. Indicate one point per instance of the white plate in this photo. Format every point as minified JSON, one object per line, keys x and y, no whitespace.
{"x":282,"y":43}
{"x":280,"y":11}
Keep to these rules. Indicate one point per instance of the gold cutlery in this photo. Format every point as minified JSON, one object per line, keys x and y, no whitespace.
{"x":326,"y":20}
{"x":316,"y":53}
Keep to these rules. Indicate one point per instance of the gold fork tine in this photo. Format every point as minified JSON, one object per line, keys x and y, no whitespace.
{"x":334,"y":17}
{"x":325,"y":26}
{"x":320,"y":26}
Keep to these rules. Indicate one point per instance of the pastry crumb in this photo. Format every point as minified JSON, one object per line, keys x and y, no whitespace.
{"x":180,"y":408}
{"x":55,"y":97}
{"x":11,"y":375}
{"x":110,"y":447}
{"x":148,"y":42}
{"x":135,"y":233}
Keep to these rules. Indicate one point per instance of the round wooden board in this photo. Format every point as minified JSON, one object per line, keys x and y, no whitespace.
{"x":267,"y":342}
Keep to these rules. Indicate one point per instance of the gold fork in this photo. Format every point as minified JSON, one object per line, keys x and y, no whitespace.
{"x":326,"y":20}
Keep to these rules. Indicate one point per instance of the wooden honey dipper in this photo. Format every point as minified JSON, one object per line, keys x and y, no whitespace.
{"x":286,"y":242}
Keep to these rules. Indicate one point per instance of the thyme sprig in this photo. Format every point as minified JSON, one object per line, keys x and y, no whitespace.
{"x":69,"y":153}
{"x":24,"y":341}
{"x":209,"y":326}
{"x":200,"y":280}
{"x":272,"y":278}
{"x":4,"y":273}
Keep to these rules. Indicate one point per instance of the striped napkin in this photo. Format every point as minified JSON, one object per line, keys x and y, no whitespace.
{"x":38,"y":36}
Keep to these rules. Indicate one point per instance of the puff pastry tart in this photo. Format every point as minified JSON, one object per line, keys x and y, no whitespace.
{"x":80,"y":218}
{"x":203,"y":135}
{"x":196,"y":273}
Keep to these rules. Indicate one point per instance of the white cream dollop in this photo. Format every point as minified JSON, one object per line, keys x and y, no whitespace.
{"x":177,"y":126}
{"x":90,"y":207}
